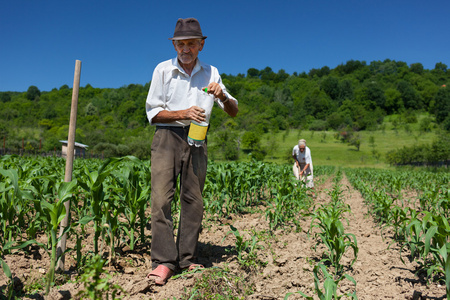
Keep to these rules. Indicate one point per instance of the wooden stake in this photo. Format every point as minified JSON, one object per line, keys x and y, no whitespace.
{"x":69,"y":162}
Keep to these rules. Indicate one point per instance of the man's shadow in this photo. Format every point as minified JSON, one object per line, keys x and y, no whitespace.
{"x":210,"y":254}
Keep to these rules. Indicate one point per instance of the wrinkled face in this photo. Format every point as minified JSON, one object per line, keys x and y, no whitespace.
{"x":188,"y":50}
{"x":301,"y":148}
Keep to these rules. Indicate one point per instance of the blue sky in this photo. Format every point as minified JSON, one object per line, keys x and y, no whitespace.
{"x":120,"y":42}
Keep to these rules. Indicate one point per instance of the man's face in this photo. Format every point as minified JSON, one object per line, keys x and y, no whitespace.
{"x":302,"y":148}
{"x":188,"y":50}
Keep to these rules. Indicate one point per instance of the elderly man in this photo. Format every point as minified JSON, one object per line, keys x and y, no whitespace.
{"x":303,"y":166}
{"x":176,"y":88}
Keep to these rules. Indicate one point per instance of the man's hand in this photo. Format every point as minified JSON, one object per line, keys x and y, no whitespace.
{"x":215,"y":90}
{"x":195,"y":113}
{"x":230,"y":107}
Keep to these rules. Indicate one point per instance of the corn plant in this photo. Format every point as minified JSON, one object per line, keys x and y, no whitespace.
{"x":287,"y":205}
{"x":431,"y":235}
{"x":332,"y":235}
{"x":330,"y":285}
{"x":437,"y":243}
{"x":135,"y":197}
{"x":7,"y":272}
{"x":93,"y":182}
{"x":246,"y":249}
{"x":399,"y":220}
{"x":328,"y":220}
{"x":97,"y":285}
{"x":14,"y":206}
{"x":51,"y":215}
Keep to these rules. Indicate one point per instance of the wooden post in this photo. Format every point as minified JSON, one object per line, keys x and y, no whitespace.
{"x":69,"y":162}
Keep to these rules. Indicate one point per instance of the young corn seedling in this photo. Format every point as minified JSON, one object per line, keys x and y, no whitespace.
{"x":51,"y":215}
{"x":431,"y":235}
{"x":246,"y":249}
{"x":134,"y":197}
{"x":287,"y":205}
{"x":328,"y":220}
{"x":7,"y":271}
{"x":437,"y":242}
{"x":14,"y":205}
{"x":94,"y":185}
{"x":96,"y":282}
{"x":330,"y":285}
{"x":332,"y":235}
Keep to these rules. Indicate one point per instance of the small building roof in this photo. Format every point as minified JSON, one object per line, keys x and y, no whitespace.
{"x":76,"y":144}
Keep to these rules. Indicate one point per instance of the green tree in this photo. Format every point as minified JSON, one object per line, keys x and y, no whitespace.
{"x":410,"y":97}
{"x":33,"y":93}
{"x":442,"y":106}
{"x":345,"y":90}
{"x":355,"y":140}
{"x":394,"y":102}
{"x":5,"y":96}
{"x":335,"y":120}
{"x":350,"y":66}
{"x":375,"y":95}
{"x":330,"y":85}
{"x":252,"y":73}
{"x":267,"y":74}
{"x":440,"y":67}
{"x":250,"y":140}
{"x":281,"y":76}
{"x":417,"y":68}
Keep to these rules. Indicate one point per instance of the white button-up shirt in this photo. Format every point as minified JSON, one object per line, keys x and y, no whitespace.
{"x":173,"y":89}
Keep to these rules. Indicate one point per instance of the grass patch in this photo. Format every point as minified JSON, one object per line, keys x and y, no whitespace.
{"x":327,"y":150}
{"x":218,"y":283}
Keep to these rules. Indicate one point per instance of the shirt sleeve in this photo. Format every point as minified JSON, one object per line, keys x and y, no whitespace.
{"x":224,"y":89}
{"x":155,"y":98}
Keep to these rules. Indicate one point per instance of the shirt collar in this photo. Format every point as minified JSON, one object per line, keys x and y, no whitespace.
{"x":176,"y":66}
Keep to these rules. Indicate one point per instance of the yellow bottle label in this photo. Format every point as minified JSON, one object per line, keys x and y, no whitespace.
{"x":197,"y":132}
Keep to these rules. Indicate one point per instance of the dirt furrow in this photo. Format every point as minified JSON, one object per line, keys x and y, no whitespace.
{"x":379,"y":271}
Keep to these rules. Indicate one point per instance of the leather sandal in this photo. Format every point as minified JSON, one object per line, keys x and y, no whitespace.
{"x":161,"y":274}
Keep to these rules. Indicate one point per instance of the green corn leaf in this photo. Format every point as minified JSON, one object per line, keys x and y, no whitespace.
{"x":330,"y":289}
{"x":6,"y":269}
{"x":444,"y":253}
{"x":85,"y":220}
{"x":428,"y":236}
{"x":65,"y":190}
{"x":447,"y":274}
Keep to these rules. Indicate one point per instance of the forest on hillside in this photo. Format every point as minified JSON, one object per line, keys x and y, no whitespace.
{"x":351,"y":97}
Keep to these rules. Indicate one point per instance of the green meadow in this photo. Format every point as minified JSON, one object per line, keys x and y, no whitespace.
{"x":326,"y":149}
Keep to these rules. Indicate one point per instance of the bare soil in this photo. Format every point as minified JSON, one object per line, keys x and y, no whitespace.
{"x":290,"y":258}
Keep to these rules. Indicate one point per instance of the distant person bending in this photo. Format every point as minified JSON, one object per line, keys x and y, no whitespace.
{"x":303,"y":166}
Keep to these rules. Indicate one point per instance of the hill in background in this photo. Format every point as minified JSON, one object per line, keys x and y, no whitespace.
{"x":373,"y":107}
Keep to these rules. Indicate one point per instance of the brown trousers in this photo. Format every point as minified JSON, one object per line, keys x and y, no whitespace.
{"x":171,"y":157}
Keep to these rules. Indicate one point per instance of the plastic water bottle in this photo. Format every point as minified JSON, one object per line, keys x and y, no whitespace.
{"x":197,"y":131}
